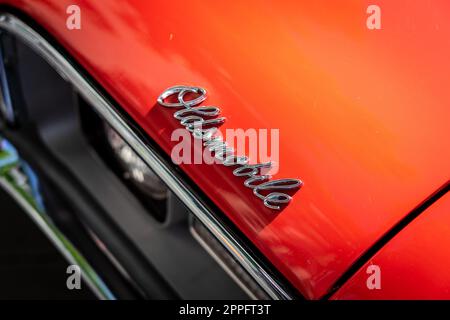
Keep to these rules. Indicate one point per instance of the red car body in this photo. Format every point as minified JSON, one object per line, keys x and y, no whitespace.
{"x":364,"y":120}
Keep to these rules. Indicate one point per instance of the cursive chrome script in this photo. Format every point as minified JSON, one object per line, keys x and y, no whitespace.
{"x":202,"y":122}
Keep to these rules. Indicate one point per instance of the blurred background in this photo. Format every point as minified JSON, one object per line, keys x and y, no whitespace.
{"x":30,"y":266}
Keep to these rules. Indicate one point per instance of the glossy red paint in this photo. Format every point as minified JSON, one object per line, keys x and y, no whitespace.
{"x":414,"y":265}
{"x":363,"y":114}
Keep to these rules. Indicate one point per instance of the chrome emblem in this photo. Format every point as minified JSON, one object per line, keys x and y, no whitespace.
{"x":195,"y":118}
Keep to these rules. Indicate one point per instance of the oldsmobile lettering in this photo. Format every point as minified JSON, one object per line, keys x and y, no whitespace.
{"x":203,"y":122}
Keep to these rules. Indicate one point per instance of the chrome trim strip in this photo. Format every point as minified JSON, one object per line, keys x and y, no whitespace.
{"x":6,"y":108}
{"x":17,"y":27}
{"x":219,"y":260}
